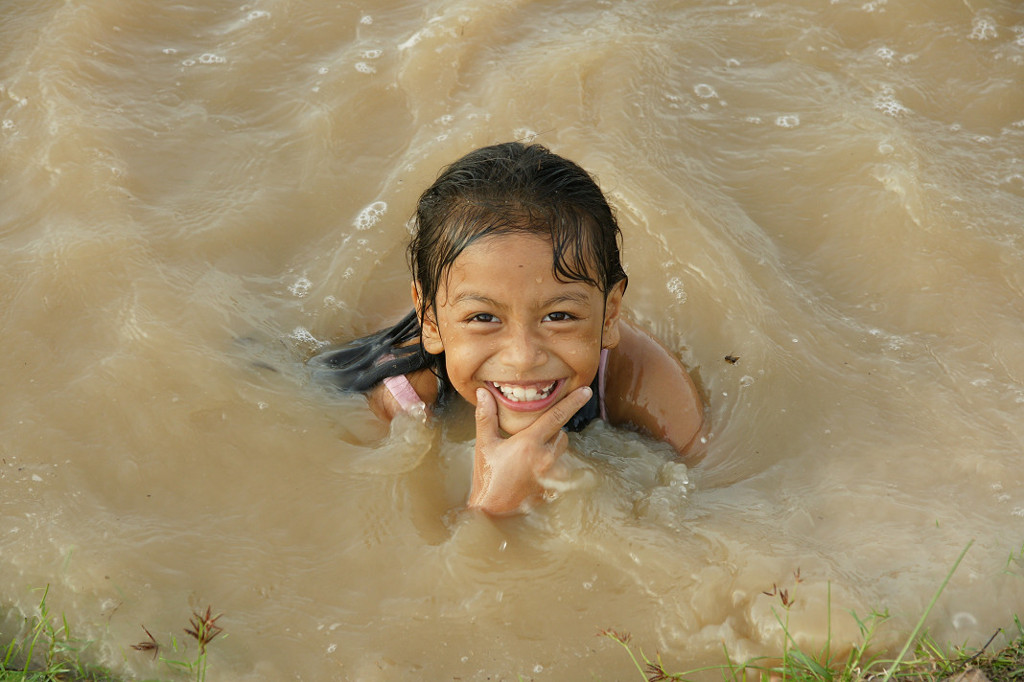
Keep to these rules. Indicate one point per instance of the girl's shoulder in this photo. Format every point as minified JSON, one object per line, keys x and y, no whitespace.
{"x":646,"y":387}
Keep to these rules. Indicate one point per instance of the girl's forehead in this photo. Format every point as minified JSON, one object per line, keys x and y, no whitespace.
{"x":509,"y":260}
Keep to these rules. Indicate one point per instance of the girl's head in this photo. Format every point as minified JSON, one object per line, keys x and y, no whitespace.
{"x":517,"y":277}
{"x":515,"y":188}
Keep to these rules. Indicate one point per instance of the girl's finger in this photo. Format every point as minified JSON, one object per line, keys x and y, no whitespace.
{"x":486,"y":417}
{"x":549,"y":423}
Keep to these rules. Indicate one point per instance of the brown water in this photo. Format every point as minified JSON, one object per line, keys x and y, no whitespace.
{"x":197,"y":196}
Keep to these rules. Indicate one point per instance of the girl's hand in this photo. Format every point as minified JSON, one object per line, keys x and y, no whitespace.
{"x":505,"y":470}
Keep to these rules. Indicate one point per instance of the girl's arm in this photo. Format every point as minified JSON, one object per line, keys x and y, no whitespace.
{"x":649,"y":389}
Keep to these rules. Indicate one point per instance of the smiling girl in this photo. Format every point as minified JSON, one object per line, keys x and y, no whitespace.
{"x":517,"y":308}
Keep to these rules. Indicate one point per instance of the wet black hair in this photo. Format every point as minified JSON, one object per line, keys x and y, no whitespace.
{"x":509,"y":188}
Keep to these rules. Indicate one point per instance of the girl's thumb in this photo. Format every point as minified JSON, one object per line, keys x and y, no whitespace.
{"x":486,"y":414}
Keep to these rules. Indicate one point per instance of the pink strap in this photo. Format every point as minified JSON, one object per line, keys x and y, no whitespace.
{"x":401,"y":388}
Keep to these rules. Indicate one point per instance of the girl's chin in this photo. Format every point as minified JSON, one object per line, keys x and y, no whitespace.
{"x":514,"y":422}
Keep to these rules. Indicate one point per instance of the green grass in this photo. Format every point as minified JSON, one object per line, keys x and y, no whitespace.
{"x":45,"y":650}
{"x":926,"y":663}
{"x":920,"y":659}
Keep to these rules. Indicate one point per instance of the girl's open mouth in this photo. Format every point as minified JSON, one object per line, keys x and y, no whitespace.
{"x":526,"y":398}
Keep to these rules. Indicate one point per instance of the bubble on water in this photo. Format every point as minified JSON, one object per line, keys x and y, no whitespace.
{"x":756,"y":120}
{"x":363,"y":67}
{"x":370,"y":215}
{"x":885,"y":53}
{"x":732,"y":62}
{"x":524,"y":135}
{"x":1015,"y":182}
{"x":371,"y":54}
{"x":676,"y":288}
{"x":746,"y":380}
{"x":300,"y":287}
{"x":257,"y":14}
{"x":704,"y":91}
{"x":964,"y":619}
{"x":366,"y":20}
{"x":788,"y":121}
{"x":211,"y":58}
{"x":322,"y":70}
{"x":982,"y":29}
{"x":170,"y":50}
{"x":305,"y":337}
{"x":331,"y":648}
{"x":7,"y":124}
{"x":887,"y":103}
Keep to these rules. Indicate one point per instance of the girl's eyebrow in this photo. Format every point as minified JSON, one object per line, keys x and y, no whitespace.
{"x":579,"y":297}
{"x":473,"y":297}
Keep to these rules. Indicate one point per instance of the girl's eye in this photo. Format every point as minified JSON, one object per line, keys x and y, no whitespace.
{"x":559,"y":317}
{"x":483,"y":317}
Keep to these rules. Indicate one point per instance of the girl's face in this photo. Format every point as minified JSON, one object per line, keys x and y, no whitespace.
{"x":507,"y":325}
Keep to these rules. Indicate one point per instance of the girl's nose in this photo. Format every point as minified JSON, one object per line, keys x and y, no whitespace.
{"x":523,"y":350}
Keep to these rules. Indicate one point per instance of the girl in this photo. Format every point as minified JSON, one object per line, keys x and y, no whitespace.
{"x":517,"y":308}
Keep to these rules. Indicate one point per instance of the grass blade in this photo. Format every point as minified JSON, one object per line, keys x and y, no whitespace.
{"x":917,"y":628}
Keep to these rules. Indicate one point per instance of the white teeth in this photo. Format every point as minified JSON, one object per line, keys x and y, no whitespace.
{"x":524,"y":395}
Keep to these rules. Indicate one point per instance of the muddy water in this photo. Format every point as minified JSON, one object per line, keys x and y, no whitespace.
{"x":197,"y":196}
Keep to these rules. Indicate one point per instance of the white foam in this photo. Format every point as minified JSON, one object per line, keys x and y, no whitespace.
{"x":303,"y":335}
{"x":887,"y":103}
{"x":788,"y":121}
{"x":363,"y":67}
{"x":982,"y":29}
{"x":370,"y":215}
{"x":676,"y":288}
{"x":300,"y":287}
{"x":524,"y":135}
{"x":704,"y":91}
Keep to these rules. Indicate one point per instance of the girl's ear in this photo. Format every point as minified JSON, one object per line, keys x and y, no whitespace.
{"x":612,"y":311}
{"x":429,"y":332}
